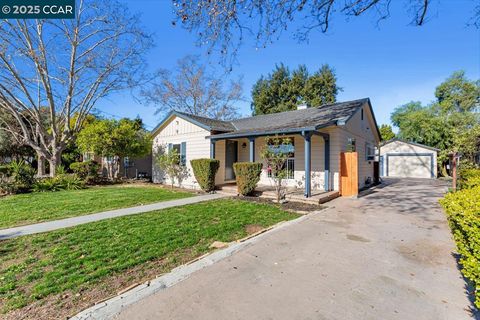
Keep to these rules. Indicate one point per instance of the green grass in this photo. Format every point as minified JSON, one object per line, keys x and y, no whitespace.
{"x":36,"y":207}
{"x":35,"y":267}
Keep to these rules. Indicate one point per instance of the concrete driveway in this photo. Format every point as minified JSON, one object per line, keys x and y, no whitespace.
{"x":385,"y":255}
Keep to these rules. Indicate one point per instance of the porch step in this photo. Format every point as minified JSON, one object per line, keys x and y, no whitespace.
{"x":228,"y":189}
{"x":293,"y":195}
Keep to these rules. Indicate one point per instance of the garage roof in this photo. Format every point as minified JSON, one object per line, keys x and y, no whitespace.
{"x":409,"y":142}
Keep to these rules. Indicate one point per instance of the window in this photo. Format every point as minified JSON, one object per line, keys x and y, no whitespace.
{"x":176,"y":147}
{"x":369,"y":152}
{"x":351,"y":145}
{"x":362,"y":114}
{"x":290,"y":163}
{"x":181,"y":149}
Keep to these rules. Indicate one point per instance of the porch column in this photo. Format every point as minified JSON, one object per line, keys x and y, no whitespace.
{"x":326,"y":140}
{"x":212,"y":149}
{"x":307,"y":135}
{"x":252,"y":148}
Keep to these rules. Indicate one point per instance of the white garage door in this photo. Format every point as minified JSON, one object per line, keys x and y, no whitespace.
{"x":410,"y":166}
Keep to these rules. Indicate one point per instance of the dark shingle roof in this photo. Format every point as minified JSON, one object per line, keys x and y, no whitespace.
{"x":310,"y":117}
{"x":213,"y":124}
{"x":294,"y":121}
{"x":283,"y":122}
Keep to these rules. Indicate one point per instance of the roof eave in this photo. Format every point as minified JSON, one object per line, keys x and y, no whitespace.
{"x":259,"y":133}
{"x":184,"y":117}
{"x":409,"y":142}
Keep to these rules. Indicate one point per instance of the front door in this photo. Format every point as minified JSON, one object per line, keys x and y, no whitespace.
{"x":231,"y":156}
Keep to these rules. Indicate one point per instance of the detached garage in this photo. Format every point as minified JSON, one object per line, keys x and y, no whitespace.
{"x":404,"y":159}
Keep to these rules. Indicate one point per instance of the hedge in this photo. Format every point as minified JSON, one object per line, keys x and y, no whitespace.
{"x":204,"y":171}
{"x":469,"y":178}
{"x":247,"y":176}
{"x":463,"y":213}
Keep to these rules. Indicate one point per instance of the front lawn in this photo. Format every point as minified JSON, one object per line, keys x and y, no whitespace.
{"x":36,"y":207}
{"x":52,"y":275}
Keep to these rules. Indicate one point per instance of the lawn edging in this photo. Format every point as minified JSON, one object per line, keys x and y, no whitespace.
{"x":114,"y":305}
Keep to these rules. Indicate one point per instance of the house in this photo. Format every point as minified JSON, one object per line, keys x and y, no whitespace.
{"x":404,"y":159}
{"x":130,"y":168}
{"x":319,"y":135}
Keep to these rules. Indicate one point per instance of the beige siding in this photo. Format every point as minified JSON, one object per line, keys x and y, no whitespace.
{"x":176,"y":131}
{"x":408,"y":166}
{"x":364,"y":132}
{"x":317,"y":164}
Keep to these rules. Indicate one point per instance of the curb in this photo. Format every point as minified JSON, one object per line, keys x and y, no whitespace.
{"x":108,"y":308}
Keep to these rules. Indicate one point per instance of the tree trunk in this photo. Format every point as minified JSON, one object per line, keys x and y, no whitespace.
{"x":54,"y":162}
{"x":40,"y":165}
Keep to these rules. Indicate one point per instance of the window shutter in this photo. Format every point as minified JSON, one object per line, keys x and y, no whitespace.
{"x":169,"y":147}
{"x":183,"y":153}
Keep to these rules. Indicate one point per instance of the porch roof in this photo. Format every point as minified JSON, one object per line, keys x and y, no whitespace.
{"x":267,"y":132}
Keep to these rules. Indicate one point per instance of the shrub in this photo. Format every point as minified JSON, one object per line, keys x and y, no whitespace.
{"x":70,"y":182}
{"x":60,"y":182}
{"x":469,"y":178}
{"x":204,"y":171}
{"x":5,"y":169}
{"x":247,"y":176}
{"x":87,"y":171}
{"x":170,"y":162}
{"x":463,"y":213}
{"x":46,"y":185}
{"x":21,"y":178}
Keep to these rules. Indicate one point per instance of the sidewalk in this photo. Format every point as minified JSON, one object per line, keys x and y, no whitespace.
{"x":75,"y":221}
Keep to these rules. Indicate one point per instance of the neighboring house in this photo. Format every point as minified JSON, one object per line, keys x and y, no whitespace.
{"x":405,"y":159}
{"x":140,"y":168}
{"x":319,"y":135}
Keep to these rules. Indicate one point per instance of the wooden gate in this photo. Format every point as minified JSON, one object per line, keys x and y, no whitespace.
{"x":348,"y":174}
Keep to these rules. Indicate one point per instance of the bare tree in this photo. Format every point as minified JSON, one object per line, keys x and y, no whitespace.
{"x":65,"y":67}
{"x":191,"y":88}
{"x":223,"y":24}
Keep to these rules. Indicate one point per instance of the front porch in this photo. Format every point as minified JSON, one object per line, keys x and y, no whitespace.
{"x":293,"y":194}
{"x":310,"y":174}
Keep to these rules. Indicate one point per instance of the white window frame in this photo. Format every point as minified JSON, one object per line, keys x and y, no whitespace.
{"x":369,"y":152}
{"x":290,"y":164}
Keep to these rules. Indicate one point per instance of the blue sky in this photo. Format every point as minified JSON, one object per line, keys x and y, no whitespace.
{"x":392,"y":63}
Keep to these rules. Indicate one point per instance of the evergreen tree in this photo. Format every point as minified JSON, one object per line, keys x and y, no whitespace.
{"x":283,"y":90}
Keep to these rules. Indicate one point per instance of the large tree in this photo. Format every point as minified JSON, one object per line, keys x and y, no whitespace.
{"x":386,"y":132}
{"x":222,"y":25}
{"x":283,"y":90}
{"x":444,"y":122}
{"x":195,"y":89}
{"x":115,"y":139}
{"x":10,"y":146}
{"x":67,"y":66}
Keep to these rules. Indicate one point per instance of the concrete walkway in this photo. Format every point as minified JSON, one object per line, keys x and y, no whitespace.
{"x":386,"y":255}
{"x":75,"y":221}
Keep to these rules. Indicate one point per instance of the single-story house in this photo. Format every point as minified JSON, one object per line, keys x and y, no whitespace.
{"x":319,"y":136}
{"x":404,"y":159}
